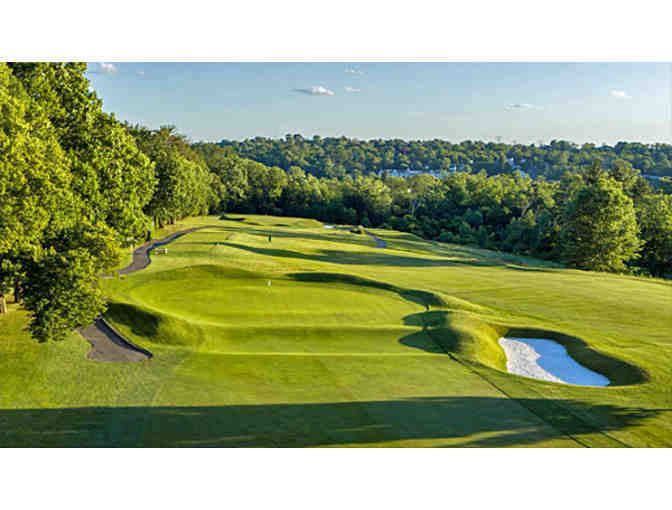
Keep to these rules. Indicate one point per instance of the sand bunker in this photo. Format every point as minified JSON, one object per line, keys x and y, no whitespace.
{"x":328,"y":226}
{"x":547,"y":360}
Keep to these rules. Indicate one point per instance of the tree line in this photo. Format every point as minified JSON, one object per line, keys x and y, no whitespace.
{"x":76,"y":185}
{"x":337,"y":157}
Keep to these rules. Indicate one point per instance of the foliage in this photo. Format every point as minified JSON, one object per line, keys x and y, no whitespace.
{"x":34,"y":173}
{"x":73,"y":184}
{"x":184,"y":184}
{"x":655,"y":220}
{"x":599,"y":226}
{"x":111,"y":177}
{"x":336,"y":157}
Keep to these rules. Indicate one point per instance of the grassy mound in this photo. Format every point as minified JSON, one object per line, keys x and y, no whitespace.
{"x":154,"y":327}
{"x":474,"y":339}
{"x":462,"y":334}
{"x":421,"y":297}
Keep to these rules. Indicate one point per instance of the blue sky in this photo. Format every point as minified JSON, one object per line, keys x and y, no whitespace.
{"x":526,"y":102}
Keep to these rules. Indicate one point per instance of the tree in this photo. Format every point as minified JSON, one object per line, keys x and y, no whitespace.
{"x":34,"y":180}
{"x":665,"y":185}
{"x":655,"y":220}
{"x":185,"y":186}
{"x":61,"y":290}
{"x":599,"y":226}
{"x":110,"y":176}
{"x":231,"y":185}
{"x":33,"y":168}
{"x":72,"y":187}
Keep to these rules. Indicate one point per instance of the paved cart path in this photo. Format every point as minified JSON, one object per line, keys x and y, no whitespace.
{"x":379,"y":242}
{"x":141,"y":254}
{"x":108,"y":344}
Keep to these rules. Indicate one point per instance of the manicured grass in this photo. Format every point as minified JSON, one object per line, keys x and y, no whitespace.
{"x":340,"y":349}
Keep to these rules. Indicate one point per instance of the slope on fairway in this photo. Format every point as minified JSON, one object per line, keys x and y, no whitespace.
{"x":340,"y":350}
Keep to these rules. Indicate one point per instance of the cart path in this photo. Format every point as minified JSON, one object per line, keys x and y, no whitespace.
{"x":141,"y":254}
{"x":379,"y":242}
{"x":108,"y":344}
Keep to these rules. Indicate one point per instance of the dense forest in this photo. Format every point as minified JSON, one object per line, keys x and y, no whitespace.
{"x":76,"y":185}
{"x":337,"y":157}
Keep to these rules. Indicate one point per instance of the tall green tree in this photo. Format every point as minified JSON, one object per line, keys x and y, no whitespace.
{"x":184,"y":184}
{"x":72,"y":187}
{"x":655,"y":220}
{"x":109,"y":173}
{"x":34,"y":180}
{"x":599,"y":226}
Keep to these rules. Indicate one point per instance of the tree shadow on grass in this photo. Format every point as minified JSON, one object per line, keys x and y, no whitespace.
{"x":229,"y":218}
{"x":533,"y":269}
{"x":362,"y":258}
{"x":140,"y":322}
{"x":420,"y":297}
{"x":294,"y":234}
{"x":454,"y":419}
{"x":454,"y":255}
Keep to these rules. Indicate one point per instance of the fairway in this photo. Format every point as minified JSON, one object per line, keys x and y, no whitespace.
{"x":319,"y":337}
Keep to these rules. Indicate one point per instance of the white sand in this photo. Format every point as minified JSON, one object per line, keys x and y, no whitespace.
{"x":547,"y":360}
{"x":328,"y":226}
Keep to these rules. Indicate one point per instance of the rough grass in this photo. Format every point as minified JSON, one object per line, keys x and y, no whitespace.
{"x":341,"y":349}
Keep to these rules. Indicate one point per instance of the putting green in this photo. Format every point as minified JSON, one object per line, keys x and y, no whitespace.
{"x":340,"y":349}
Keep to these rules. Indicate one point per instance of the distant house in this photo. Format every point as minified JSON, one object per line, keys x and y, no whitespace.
{"x":395,"y":172}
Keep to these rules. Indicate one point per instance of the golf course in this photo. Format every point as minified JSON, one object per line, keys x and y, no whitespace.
{"x":278,"y":332}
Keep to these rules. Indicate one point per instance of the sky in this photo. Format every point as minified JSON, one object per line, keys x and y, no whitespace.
{"x":521,"y":102}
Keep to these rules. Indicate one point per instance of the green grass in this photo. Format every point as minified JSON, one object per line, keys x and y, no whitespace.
{"x":340,"y":349}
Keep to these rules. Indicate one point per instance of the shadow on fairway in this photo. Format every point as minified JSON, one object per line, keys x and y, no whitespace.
{"x":420,"y":297}
{"x":297,"y":234}
{"x":140,"y":322}
{"x":504,"y":421}
{"x":351,"y":258}
{"x":455,"y":255}
{"x":229,"y":218}
{"x":534,"y":269}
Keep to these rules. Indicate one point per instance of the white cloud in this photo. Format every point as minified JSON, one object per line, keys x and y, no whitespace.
{"x":316,"y":91}
{"x":520,"y":106}
{"x":104,"y":68}
{"x":351,"y":89}
{"x":353,"y":71}
{"x":107,"y":68}
{"x":622,"y":94}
